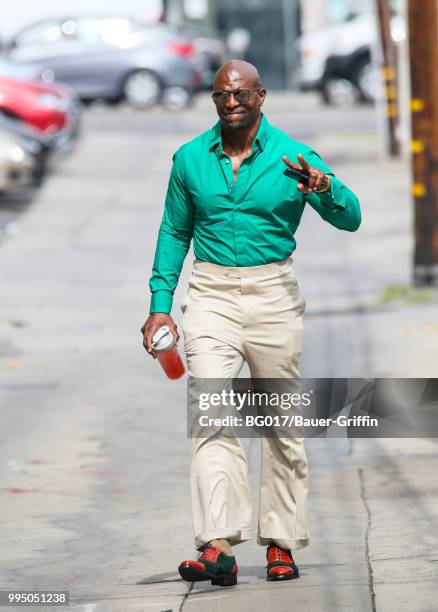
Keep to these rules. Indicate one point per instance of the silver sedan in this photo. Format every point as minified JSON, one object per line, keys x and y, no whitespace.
{"x":112,"y":59}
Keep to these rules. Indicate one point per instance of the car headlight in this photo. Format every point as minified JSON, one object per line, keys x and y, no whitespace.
{"x":51,"y":101}
{"x":17,"y":154}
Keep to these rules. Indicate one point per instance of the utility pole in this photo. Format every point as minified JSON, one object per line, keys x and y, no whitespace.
{"x":388,"y":54}
{"x":423,"y":44}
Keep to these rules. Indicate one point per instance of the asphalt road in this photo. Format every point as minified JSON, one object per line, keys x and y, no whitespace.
{"x":93,"y":451}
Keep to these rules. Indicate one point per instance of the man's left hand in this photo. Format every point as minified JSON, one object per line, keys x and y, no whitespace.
{"x":317,"y":178}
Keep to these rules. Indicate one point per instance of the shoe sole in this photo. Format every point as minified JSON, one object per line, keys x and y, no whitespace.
{"x":282,"y":577}
{"x":191,"y":574}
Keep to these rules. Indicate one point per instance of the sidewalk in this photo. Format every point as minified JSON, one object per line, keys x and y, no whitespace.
{"x":93,"y":449}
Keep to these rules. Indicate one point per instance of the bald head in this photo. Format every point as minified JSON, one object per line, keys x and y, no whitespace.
{"x":241,"y":110}
{"x":237,"y":73}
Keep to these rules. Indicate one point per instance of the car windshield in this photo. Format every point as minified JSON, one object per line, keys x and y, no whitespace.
{"x":41,"y":33}
{"x":108,"y":30}
{"x":116,"y":31}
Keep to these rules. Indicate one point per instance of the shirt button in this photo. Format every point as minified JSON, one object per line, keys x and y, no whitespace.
{"x":227,"y":161}
{"x":231,"y":185}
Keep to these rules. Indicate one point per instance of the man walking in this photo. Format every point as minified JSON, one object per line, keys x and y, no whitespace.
{"x":231,"y":190}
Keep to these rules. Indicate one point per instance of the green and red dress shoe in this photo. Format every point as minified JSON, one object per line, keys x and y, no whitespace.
{"x":213,"y":564}
{"x":281,"y":565}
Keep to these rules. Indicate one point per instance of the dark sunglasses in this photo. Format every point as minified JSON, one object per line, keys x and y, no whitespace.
{"x":242,"y":96}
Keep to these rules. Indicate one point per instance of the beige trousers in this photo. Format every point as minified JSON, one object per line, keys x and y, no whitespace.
{"x":232,"y":315}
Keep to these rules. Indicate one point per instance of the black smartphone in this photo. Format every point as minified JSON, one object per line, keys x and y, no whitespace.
{"x":297,"y":175}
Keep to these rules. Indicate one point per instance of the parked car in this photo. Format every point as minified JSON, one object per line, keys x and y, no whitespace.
{"x":337,"y":60}
{"x":112,"y":59}
{"x":351,"y":39}
{"x":18,"y":70}
{"x":16,"y":165}
{"x":51,"y":110}
{"x":37,"y":145}
{"x":350,"y":78}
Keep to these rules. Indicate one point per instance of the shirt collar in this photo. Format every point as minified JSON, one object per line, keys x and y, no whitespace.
{"x":260,"y":139}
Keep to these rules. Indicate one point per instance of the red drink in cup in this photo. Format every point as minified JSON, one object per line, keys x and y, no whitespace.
{"x":163,"y":342}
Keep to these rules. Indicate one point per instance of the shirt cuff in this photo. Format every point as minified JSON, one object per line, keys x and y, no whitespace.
{"x":161,"y":301}
{"x":328,"y":198}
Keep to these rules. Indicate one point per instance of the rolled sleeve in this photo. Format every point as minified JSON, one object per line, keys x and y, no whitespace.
{"x":339,"y":206}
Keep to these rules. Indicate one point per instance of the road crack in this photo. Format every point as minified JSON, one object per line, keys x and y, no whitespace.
{"x":367,"y":540}
{"x":186,"y":596}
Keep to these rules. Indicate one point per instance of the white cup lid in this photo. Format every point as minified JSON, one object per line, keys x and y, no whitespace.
{"x":162,"y":339}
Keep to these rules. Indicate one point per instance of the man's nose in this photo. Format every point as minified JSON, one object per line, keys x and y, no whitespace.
{"x":231,"y":102}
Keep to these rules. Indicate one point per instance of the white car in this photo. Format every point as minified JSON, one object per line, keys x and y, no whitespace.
{"x":337,"y":59}
{"x":16,"y":164}
{"x":337,"y":39}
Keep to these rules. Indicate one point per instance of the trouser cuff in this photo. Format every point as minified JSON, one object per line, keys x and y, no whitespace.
{"x":235,"y":536}
{"x":282,"y":542}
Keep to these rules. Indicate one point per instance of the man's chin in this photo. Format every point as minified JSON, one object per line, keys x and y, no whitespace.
{"x":235,"y":124}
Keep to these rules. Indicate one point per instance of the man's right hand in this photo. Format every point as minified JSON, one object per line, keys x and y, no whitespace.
{"x":152,"y":325}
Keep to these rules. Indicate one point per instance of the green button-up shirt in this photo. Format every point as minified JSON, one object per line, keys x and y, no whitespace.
{"x":247,"y":222}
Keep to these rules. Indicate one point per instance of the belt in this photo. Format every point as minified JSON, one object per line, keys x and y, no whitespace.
{"x":242,"y":271}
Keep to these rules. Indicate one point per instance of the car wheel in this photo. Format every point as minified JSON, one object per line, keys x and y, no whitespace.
{"x":176,"y":98}
{"x":339,"y":92}
{"x":142,"y":89}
